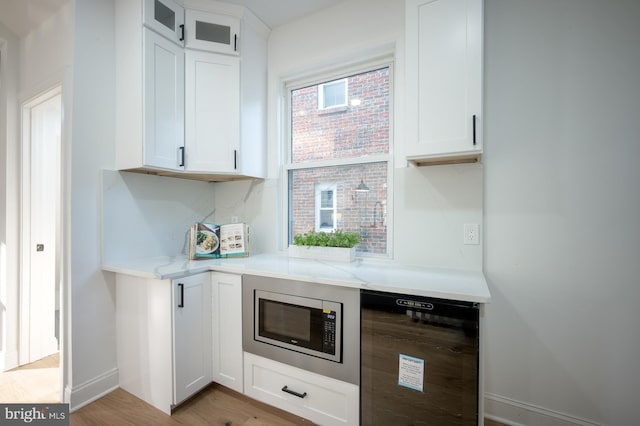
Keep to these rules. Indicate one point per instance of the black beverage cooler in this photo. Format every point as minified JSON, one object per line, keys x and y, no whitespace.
{"x":419,"y":360}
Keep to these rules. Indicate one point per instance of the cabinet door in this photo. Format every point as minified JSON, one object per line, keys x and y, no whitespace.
{"x":191,"y":335}
{"x":163,"y":103}
{"x":213,"y":112}
{"x":215,"y":33}
{"x":166,"y":18}
{"x":444,"y":74}
{"x":227,"y":330}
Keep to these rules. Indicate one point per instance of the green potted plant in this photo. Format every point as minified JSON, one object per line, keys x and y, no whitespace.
{"x":336,"y":246}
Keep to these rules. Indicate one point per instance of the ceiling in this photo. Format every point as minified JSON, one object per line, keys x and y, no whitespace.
{"x":21,"y":16}
{"x":277,"y":12}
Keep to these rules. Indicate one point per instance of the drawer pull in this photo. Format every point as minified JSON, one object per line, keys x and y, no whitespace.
{"x":299,"y":395}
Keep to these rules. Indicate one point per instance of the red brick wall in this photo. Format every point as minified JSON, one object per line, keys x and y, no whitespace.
{"x":343,"y":132}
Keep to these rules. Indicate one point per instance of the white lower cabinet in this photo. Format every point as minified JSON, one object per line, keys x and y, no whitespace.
{"x":321,"y":399}
{"x":227,"y":330}
{"x":192,"y":354}
{"x":163,"y":336}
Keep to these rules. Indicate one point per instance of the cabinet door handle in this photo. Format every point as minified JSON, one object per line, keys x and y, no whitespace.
{"x":181,"y":287}
{"x":474,"y":129}
{"x":181,"y":157}
{"x":182,"y":32}
{"x":235,"y":159}
{"x":235,"y":42}
{"x":299,"y":395}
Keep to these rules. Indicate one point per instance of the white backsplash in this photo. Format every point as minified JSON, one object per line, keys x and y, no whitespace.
{"x":148,"y":216}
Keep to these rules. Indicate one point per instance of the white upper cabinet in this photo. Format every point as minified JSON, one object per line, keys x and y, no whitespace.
{"x":212,"y":112}
{"x":444,"y":80}
{"x":163,"y":103}
{"x":196,"y":112}
{"x":166,"y":18}
{"x":212,"y":32}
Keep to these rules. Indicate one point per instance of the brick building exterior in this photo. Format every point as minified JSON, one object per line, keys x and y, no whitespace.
{"x":358,"y":129}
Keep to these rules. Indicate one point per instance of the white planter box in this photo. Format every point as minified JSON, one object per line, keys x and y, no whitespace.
{"x":336,"y":254}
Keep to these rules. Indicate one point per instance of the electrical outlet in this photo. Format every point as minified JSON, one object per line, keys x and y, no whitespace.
{"x":471,"y":234}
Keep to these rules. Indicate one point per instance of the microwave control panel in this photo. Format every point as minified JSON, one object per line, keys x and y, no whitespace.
{"x":329,"y":332}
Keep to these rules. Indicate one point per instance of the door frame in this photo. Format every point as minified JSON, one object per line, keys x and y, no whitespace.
{"x":24,"y":315}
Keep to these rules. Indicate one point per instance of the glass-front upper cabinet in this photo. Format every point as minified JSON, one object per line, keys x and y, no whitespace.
{"x":211,"y":32}
{"x":166,"y":18}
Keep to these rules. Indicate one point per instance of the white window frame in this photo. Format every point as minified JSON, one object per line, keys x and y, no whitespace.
{"x":349,"y":69}
{"x":321,"y":103}
{"x":320,"y":188}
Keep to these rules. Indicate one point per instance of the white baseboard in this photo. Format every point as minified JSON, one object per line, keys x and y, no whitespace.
{"x":8,"y":360}
{"x":92,"y":390}
{"x":516,"y":413}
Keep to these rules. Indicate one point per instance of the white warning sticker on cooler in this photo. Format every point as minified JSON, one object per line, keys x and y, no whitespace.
{"x":411,"y":372}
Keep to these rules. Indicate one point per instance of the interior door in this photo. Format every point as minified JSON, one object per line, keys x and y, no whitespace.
{"x":42,"y":123}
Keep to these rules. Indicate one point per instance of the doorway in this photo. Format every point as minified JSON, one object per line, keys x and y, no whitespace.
{"x":40,"y":228}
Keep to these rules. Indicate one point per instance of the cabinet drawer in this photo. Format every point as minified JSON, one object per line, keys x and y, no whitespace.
{"x":321,"y":399}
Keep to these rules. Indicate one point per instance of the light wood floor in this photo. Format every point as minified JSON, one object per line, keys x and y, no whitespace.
{"x":36,"y":382}
{"x":215,"y":405}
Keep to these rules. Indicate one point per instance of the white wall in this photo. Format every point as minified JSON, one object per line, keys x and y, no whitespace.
{"x":430,"y":205}
{"x":562,"y":209}
{"x":9,"y":62}
{"x":34,"y":63}
{"x":93,"y":131}
{"x":45,"y":53}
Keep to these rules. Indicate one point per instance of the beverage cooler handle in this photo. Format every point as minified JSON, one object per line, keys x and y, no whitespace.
{"x":299,"y":395}
{"x":181,"y":287}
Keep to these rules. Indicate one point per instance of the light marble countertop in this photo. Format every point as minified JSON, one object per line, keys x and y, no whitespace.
{"x":371,"y":274}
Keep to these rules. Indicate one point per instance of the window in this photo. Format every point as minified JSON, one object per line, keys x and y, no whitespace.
{"x":325,"y":207}
{"x":338,"y":164}
{"x":332,"y":94}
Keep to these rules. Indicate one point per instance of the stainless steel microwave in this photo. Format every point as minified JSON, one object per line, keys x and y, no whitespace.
{"x":302,"y":324}
{"x":311,"y":326}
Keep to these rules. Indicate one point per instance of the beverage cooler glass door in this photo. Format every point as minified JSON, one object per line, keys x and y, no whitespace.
{"x":419,"y":361}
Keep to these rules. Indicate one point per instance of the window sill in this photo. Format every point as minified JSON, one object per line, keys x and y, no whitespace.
{"x":333,"y":110}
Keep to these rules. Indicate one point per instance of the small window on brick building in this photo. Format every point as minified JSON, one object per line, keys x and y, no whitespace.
{"x":325,"y":207}
{"x":332,"y":157}
{"x":332,"y":94}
